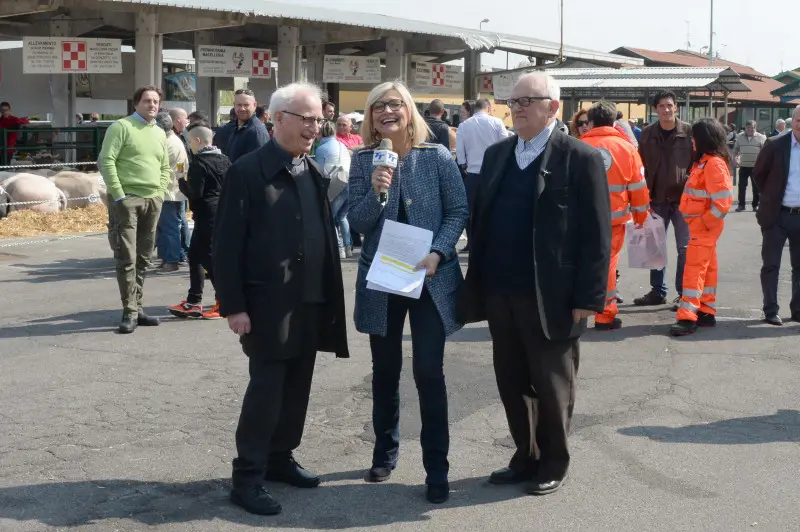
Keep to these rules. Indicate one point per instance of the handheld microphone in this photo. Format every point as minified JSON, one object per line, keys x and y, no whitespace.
{"x":384,"y":156}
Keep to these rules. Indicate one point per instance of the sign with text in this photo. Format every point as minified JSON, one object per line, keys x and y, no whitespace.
{"x":71,"y":55}
{"x":503,"y":85}
{"x":351,"y":69}
{"x":233,"y":62}
{"x":436,"y":76}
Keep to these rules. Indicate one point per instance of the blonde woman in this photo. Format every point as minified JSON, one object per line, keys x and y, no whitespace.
{"x":425,"y":190}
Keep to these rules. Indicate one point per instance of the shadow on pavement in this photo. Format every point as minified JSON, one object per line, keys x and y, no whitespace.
{"x":725,"y":330}
{"x":66,"y":270}
{"x":69,"y":504}
{"x":90,"y":321}
{"x":783,"y":426}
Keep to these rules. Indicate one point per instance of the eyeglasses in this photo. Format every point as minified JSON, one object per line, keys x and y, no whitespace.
{"x":308,"y":121}
{"x":582,"y":123}
{"x":246,"y":92}
{"x":394,"y":105}
{"x":525,"y":101}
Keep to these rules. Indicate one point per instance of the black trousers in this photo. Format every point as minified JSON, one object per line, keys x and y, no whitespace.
{"x":745,"y":175}
{"x":427,"y":350}
{"x":536,"y":378}
{"x":773,"y":239}
{"x":200,"y":260}
{"x":274,"y":407}
{"x":471,"y":182}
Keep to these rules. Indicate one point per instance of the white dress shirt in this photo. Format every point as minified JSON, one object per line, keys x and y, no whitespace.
{"x":475,"y":135}
{"x":791,"y":198}
{"x":527,"y":152}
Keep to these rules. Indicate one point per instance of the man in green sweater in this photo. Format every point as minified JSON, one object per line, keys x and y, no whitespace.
{"x":135,"y":166}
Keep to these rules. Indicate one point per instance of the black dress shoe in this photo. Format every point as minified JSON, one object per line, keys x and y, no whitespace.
{"x":255,"y":500}
{"x":507,"y":475}
{"x":292,"y":473}
{"x":378,"y":474}
{"x":128,"y":324}
{"x":544,"y":487}
{"x":773,"y":319}
{"x":438,"y":493}
{"x":146,"y":321}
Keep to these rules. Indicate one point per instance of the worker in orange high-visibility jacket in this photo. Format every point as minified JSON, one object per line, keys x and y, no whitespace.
{"x":627,"y":189}
{"x":707,"y":198}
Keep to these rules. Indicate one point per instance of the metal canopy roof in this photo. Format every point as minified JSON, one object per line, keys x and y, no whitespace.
{"x":484,"y":41}
{"x":630,"y":82}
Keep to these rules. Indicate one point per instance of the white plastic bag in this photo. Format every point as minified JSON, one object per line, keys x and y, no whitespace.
{"x":647,"y":245}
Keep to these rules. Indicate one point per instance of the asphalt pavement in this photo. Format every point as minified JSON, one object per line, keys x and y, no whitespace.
{"x":105,"y":432}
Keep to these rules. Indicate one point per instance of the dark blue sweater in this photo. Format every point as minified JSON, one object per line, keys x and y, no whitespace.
{"x":508,"y":262}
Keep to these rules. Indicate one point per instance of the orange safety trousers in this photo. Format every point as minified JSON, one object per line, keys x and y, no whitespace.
{"x":699,"y":280}
{"x":617,"y":243}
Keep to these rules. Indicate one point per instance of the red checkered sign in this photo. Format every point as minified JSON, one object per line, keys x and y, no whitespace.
{"x":261,"y":63}
{"x":487,"y":84}
{"x":437,"y":72}
{"x":73,"y":56}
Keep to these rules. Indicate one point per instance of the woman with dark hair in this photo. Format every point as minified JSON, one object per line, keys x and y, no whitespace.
{"x":706,"y":200}
{"x":579,"y":124}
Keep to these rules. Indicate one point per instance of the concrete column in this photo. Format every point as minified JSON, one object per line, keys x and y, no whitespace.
{"x":396,"y":62}
{"x":204,"y":93}
{"x":298,"y":64}
{"x":288,"y":41}
{"x":472,"y":65}
{"x":62,"y":92}
{"x":158,"y":60}
{"x":315,"y":60}
{"x":147,"y":48}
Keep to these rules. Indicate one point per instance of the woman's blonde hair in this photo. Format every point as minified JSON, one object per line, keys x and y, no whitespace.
{"x":418,"y":130}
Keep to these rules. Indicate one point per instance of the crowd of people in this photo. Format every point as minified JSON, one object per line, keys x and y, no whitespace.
{"x":545,"y":210}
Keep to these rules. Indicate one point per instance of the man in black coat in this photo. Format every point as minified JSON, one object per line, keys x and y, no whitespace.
{"x":249,"y":133}
{"x":279,"y":283}
{"x":777,"y":175}
{"x":541,"y":243}
{"x":440,"y":130}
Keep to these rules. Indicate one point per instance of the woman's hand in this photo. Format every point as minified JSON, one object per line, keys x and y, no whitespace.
{"x":381,"y":179}
{"x":429,"y":264}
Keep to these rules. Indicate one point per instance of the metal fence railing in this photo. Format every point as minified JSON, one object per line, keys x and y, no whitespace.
{"x":41,"y":145}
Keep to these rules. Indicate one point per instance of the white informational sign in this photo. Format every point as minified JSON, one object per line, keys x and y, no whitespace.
{"x":436,"y":76}
{"x":503,"y":84}
{"x":351,"y":69}
{"x":71,"y":55}
{"x":233,"y":62}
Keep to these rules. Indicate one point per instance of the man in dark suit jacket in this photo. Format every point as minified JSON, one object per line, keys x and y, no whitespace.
{"x":538,"y":268}
{"x":279,"y":283}
{"x":777,"y":174}
{"x":249,"y":133}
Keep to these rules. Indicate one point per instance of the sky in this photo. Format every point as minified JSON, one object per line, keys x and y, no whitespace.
{"x":751,"y":32}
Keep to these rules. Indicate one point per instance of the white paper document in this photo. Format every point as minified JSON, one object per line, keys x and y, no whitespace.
{"x":400,"y":249}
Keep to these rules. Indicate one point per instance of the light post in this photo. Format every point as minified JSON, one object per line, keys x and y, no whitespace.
{"x":484,"y":21}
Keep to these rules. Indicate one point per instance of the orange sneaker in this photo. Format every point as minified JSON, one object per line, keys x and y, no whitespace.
{"x":184,"y":309}
{"x":212,"y":313}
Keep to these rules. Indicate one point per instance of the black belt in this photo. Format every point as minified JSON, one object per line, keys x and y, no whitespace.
{"x":790,"y":210}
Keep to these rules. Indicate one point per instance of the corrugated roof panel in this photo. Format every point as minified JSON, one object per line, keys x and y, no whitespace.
{"x":473,"y":39}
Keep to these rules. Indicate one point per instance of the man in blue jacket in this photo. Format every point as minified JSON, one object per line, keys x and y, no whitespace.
{"x":250,"y":133}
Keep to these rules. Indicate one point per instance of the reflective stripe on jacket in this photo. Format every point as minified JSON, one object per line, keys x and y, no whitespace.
{"x":627,"y":187}
{"x":707,"y":198}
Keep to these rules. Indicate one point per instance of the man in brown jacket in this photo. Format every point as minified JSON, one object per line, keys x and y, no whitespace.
{"x":666,"y":150}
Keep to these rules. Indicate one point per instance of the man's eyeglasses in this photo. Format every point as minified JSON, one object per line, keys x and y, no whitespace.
{"x":394,"y":105}
{"x":525,"y":101}
{"x":582,"y":123}
{"x":308,"y":121}
{"x":246,"y":92}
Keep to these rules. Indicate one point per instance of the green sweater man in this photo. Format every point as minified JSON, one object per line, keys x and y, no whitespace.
{"x":135,"y":166}
{"x":134,"y":159}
